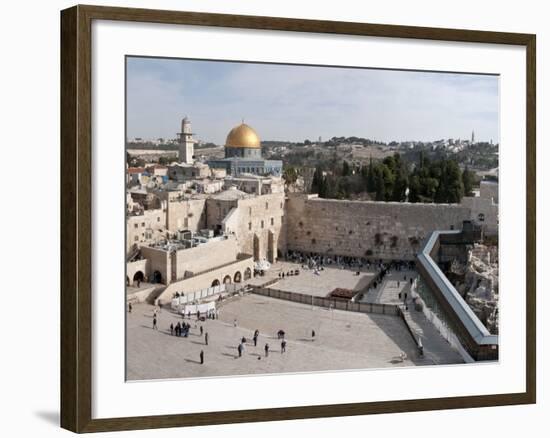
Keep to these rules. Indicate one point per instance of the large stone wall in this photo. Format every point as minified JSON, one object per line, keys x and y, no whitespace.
{"x":489,"y":190}
{"x":208,"y":278}
{"x":145,"y":228}
{"x":158,"y":260}
{"x":380,"y":230}
{"x":191,"y":261}
{"x":189,"y":214}
{"x":257,"y":224}
{"x":483,"y":211}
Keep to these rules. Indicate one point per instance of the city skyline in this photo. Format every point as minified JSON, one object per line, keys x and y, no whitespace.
{"x":294,"y":103}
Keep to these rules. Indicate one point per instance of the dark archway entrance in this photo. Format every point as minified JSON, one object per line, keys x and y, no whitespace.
{"x":139,"y":277}
{"x":157,"y":277}
{"x":215,"y":283}
{"x":271,"y":247}
{"x":256,"y":247}
{"x":227,"y":279}
{"x":237,"y":277}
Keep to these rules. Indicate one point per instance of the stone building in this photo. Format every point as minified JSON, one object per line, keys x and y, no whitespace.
{"x":243,"y":154}
{"x":186,"y":143}
{"x":207,"y":230}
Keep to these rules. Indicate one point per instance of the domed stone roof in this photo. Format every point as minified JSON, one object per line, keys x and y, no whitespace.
{"x":242,"y":136}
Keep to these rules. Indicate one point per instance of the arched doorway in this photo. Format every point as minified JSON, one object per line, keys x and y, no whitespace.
{"x":256,"y":247}
{"x":227,"y":279}
{"x":247,"y":274}
{"x":271,"y":247}
{"x":139,"y":277}
{"x":157,"y":277}
{"x":237,"y":277}
{"x":215,"y":283}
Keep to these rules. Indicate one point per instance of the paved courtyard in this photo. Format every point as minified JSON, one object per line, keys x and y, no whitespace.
{"x":321,"y":284}
{"x":344,"y":340}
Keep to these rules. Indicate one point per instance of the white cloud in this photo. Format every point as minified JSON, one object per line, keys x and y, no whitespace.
{"x":296,"y":102}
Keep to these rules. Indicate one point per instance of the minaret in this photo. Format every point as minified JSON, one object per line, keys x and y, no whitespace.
{"x":473,"y":137}
{"x":186,"y":142}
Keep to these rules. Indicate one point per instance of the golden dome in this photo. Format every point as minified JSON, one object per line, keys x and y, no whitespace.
{"x":242,"y":136}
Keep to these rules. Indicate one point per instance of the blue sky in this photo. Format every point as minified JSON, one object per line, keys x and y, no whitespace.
{"x":287,"y":102}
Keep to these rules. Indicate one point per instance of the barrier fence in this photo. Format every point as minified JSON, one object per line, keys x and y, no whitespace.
{"x":190,"y":297}
{"x":328,"y":303}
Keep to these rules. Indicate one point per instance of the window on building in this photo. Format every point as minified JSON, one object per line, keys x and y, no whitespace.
{"x":262,"y":223}
{"x":249,"y":226}
{"x":281,"y":205}
{"x":135,"y":225}
{"x":143,"y":224}
{"x":272,"y":221}
{"x":158,"y":219}
{"x":136,"y":238}
{"x":267,"y":205}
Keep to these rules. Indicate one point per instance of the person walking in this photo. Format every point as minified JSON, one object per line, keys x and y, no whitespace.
{"x":206,"y":338}
{"x":155,"y":324}
{"x":312,"y":335}
{"x":283,"y":346}
{"x":202,"y":357}
{"x":240,"y":350}
{"x":129,"y":307}
{"x":255,"y":338}
{"x":172,"y":329}
{"x":266,"y":348}
{"x":201,"y":330}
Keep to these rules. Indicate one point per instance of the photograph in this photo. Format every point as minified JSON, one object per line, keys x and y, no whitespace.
{"x":296,"y":218}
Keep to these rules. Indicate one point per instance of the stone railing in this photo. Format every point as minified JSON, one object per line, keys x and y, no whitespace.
{"x":473,"y":335}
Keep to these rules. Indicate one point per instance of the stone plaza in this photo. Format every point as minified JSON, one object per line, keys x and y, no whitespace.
{"x":343,"y":340}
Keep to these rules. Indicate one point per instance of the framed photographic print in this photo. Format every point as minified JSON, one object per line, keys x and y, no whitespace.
{"x":270,"y":218}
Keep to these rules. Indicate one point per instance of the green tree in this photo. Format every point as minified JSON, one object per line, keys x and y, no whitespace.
{"x":346,"y":171}
{"x":371,"y":184}
{"x":451,"y":188}
{"x":317,"y":181}
{"x":468,"y":180}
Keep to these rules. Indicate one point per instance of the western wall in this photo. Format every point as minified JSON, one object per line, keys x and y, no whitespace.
{"x":382,"y":230}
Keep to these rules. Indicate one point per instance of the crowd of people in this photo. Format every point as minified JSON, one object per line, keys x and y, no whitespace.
{"x":311,"y":260}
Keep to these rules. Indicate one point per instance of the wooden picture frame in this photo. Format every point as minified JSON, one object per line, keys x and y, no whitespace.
{"x":76,"y":218}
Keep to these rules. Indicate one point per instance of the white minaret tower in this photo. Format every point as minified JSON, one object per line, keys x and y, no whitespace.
{"x":186,"y":142}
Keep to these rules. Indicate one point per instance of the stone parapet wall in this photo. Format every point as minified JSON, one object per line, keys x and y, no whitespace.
{"x":205,"y":256}
{"x":206,"y":280}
